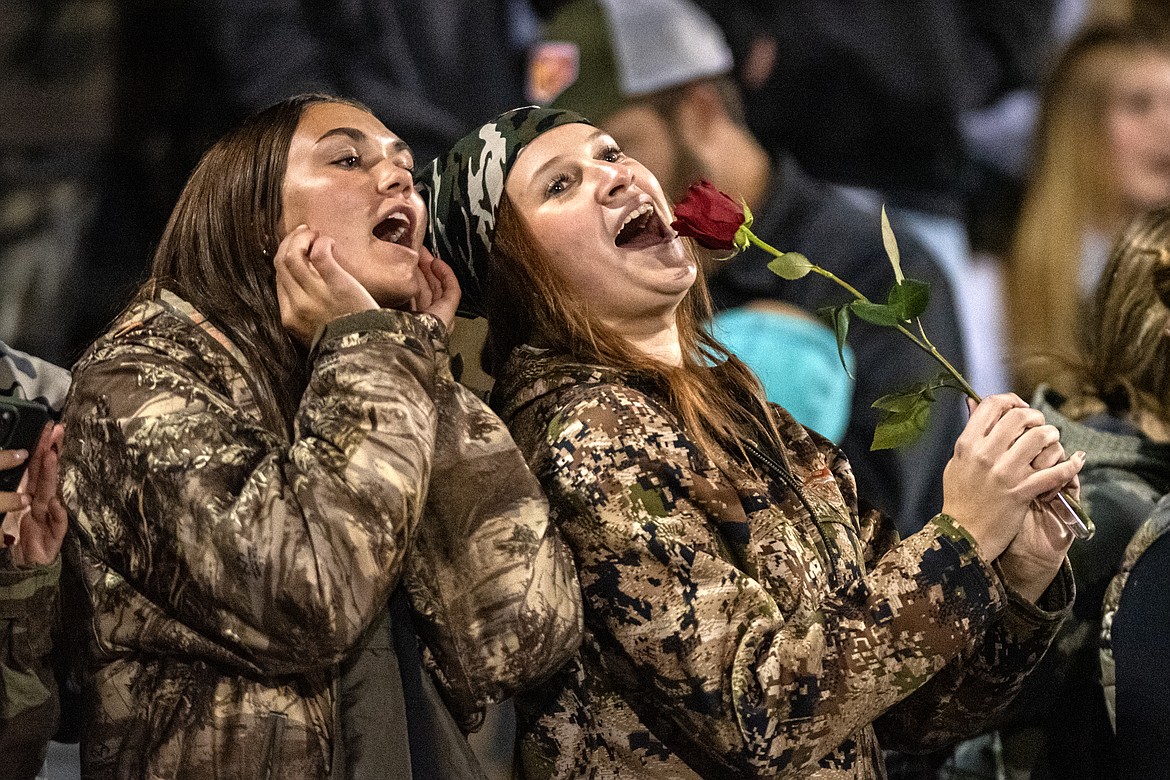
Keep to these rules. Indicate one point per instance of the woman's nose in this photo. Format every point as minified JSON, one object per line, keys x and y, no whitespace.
{"x":394,"y":177}
{"x":616,"y":178}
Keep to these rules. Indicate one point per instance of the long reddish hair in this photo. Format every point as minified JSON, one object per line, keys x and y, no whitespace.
{"x":527,"y":301}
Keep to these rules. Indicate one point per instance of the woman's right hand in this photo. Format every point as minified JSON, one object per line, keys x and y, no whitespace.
{"x":36,"y":521}
{"x":990,"y":483}
{"x":311,"y":287}
{"x":439,"y":291}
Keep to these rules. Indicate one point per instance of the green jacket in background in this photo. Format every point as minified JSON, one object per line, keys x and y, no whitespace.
{"x":748,"y":619}
{"x":230,"y":571}
{"x":28,"y":606}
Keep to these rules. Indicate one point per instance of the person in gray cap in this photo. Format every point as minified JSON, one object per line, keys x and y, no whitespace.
{"x":745,"y":614}
{"x":655,"y":74}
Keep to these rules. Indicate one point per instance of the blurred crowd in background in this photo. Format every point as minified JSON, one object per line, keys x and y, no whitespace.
{"x":1010,"y":140}
{"x":954,"y":113}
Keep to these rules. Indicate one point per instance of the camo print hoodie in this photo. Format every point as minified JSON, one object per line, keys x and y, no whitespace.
{"x":748,"y":622}
{"x":28,"y":603}
{"x":229,"y":570}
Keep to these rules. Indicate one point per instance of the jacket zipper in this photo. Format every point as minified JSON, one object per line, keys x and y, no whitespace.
{"x":780,"y":471}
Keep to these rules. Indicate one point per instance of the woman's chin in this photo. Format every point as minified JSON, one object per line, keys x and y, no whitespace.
{"x":401,"y":298}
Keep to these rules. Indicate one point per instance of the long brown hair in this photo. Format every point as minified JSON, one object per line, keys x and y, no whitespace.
{"x":216,"y":251}
{"x":717,"y":398}
{"x":1071,"y":192}
{"x":1126,"y":367}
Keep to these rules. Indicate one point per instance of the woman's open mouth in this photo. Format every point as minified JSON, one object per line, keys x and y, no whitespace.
{"x":394,"y":229}
{"x":643,"y":228}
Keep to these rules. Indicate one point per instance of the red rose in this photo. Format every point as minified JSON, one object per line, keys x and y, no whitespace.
{"x":708,"y":216}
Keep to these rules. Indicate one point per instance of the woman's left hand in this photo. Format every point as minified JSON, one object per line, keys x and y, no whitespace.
{"x":37,"y":531}
{"x":1034,"y":557}
{"x":439,"y":291}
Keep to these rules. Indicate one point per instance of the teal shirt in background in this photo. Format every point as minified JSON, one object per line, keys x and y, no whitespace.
{"x":796,"y":359}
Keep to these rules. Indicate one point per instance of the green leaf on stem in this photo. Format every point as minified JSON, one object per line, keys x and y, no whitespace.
{"x":909,"y":298}
{"x":905,"y":417}
{"x":790,"y":265}
{"x":838,"y":319}
{"x":877,"y":313}
{"x":891,"y":245}
{"x":906,"y":413}
{"x":903,"y":427}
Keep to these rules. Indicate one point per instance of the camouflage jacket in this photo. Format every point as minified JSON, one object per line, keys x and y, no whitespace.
{"x":229,"y":570}
{"x":28,"y":603}
{"x":748,"y":620}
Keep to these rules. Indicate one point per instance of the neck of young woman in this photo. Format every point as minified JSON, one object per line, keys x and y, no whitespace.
{"x":658,"y":341}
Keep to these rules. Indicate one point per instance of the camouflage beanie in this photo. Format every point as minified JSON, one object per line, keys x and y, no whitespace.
{"x":463,"y":190}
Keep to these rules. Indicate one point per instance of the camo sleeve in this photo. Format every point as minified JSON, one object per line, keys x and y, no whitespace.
{"x":219,"y":535}
{"x":763,"y":674}
{"x":491,"y":579}
{"x":28,"y":691}
{"x":25,"y":376}
{"x":972,"y":691}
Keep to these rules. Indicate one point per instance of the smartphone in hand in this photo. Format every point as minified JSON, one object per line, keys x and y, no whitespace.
{"x":21,"y":423}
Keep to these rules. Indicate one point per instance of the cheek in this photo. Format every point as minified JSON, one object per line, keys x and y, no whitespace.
{"x":1122,"y":142}
{"x":654,"y":160}
{"x":291,"y":211}
{"x":324,"y":206}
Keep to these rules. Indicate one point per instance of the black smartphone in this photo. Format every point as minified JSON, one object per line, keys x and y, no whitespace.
{"x":21,"y":423}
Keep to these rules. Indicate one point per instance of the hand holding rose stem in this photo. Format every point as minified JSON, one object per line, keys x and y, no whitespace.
{"x":718,"y":222}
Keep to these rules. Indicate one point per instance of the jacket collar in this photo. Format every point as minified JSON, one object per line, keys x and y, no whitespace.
{"x":532,"y":373}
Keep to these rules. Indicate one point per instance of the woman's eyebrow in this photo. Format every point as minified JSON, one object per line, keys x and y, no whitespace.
{"x":351,"y":132}
{"x":538,"y":173}
{"x":357,"y":136}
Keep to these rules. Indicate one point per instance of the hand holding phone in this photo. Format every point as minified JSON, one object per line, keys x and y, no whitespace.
{"x":21,"y":423}
{"x":35,"y":526}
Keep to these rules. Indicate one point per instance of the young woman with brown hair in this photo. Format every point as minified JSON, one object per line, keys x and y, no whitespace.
{"x":745,"y":614}
{"x":1101,"y":155}
{"x":264,"y":445}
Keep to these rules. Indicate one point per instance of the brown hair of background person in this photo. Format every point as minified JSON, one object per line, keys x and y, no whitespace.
{"x":1125,"y":369}
{"x":1150,"y":13}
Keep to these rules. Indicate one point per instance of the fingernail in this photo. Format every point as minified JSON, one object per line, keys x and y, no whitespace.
{"x":1081,"y":455}
{"x":20,"y":455}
